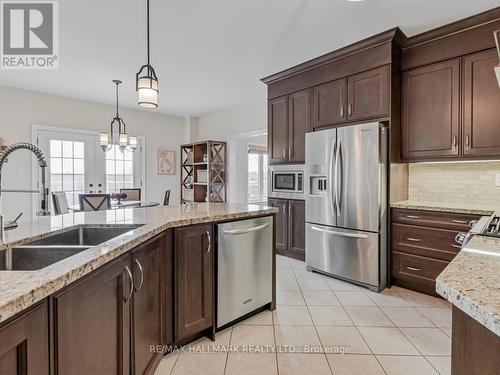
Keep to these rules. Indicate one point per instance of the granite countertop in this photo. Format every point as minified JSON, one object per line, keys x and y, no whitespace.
{"x":21,"y":289}
{"x":461,"y":208}
{"x":471,"y":281}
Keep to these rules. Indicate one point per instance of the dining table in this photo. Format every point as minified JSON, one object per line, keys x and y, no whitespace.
{"x":123,"y":204}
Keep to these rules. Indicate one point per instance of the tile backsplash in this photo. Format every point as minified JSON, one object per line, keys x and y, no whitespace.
{"x":454,"y":183}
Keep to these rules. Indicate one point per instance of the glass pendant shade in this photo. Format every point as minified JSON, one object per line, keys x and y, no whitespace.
{"x":103,"y":138}
{"x":147,"y":87}
{"x":132,"y":142}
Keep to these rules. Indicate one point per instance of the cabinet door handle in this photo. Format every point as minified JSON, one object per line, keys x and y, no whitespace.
{"x":284,"y":152}
{"x":454,"y":142}
{"x":289,"y":208}
{"x":342,"y":111}
{"x":284,"y":209}
{"x":412,"y":239}
{"x":458,"y":246}
{"x":290,"y":152}
{"x":131,"y":279}
{"x":413,"y":268}
{"x":459,"y":221}
{"x":209,"y":241}
{"x":350,"y":109}
{"x":412,"y":217}
{"x":467,"y":143}
{"x":141,"y":270}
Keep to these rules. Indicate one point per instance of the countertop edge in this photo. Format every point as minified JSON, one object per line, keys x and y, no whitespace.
{"x":22,"y":301}
{"x":428,"y":206}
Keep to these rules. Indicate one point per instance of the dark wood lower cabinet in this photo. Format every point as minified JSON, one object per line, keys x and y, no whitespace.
{"x":194,"y":280}
{"x":24,"y":343}
{"x":290,"y":227}
{"x":474,"y":349}
{"x":92,"y":322}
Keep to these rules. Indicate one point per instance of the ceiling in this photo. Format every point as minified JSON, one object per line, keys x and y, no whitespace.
{"x":210,"y":55}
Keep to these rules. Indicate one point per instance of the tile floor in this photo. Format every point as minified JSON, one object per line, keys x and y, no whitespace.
{"x":396,"y":332}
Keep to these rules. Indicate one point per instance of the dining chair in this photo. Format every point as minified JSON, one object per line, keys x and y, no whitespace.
{"x":60,"y":203}
{"x":166,"y":198}
{"x":133,"y":194}
{"x":94,"y":202}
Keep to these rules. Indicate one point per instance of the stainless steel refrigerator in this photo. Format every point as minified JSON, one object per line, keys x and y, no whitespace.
{"x":346,"y":203}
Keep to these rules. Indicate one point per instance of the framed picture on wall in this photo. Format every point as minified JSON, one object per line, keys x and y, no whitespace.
{"x":166,"y":162}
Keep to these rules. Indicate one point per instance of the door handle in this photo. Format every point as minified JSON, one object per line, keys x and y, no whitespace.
{"x":457,"y":246}
{"x":289,"y":153}
{"x":209,"y":241}
{"x":330,"y":184}
{"x":284,"y":152}
{"x":341,"y":234}
{"x":412,"y":217}
{"x":459,"y":221}
{"x":413,"y":268}
{"x":342,"y":111}
{"x":142,"y":275}
{"x":337,"y":185}
{"x":350,"y":109}
{"x":454,"y":142}
{"x":246,"y":230}
{"x":131,"y":279}
{"x":412,"y":239}
{"x":467,"y":143}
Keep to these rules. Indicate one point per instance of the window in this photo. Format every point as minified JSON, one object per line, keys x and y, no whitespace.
{"x":67,"y":168}
{"x":257,"y":173}
{"x":119,"y":169}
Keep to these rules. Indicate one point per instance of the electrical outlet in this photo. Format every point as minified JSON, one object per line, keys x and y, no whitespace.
{"x":497,"y":179}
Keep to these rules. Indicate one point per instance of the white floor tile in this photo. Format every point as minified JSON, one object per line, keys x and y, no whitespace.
{"x":352,"y":298}
{"x":320,"y":298}
{"x":405,"y":365}
{"x":368,"y":316}
{"x":343,"y":340}
{"x":167,"y":364}
{"x":441,"y":317}
{"x":251,"y":364}
{"x":330,"y":316}
{"x":285,"y":272}
{"x":289,"y":297}
{"x":289,"y":283}
{"x":300,"y":364}
{"x":354,"y":364}
{"x":252,"y":335}
{"x":292,"y":315}
{"x":429,"y":341}
{"x":265,"y":318}
{"x":200,"y":363}
{"x":313,"y":284}
{"x":407,"y":317}
{"x":205,"y":345}
{"x":336,"y":284}
{"x":421,"y":300}
{"x":383,"y":340}
{"x":297,"y":338}
{"x":441,"y":364}
{"x":388,"y":297}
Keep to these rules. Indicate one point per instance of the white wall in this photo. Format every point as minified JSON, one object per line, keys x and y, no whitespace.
{"x":223,"y":124}
{"x":20,"y":109}
{"x":238,"y":126}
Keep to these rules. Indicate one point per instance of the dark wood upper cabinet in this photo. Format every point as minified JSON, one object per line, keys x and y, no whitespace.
{"x":299,"y":123}
{"x":297,"y":228}
{"x":194,"y":274}
{"x":369,"y":94}
{"x":329,"y":103}
{"x":431,"y":111}
{"x":278,"y":130}
{"x":24,"y":343}
{"x":148,"y":264}
{"x":92,"y":322}
{"x":481,"y":105}
{"x":281,"y":224}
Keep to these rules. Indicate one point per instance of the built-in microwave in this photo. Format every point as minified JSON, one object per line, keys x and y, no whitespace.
{"x":287,"y":181}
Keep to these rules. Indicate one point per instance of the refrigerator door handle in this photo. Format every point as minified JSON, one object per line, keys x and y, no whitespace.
{"x":331,"y":186}
{"x":341,"y":234}
{"x":337,"y":160}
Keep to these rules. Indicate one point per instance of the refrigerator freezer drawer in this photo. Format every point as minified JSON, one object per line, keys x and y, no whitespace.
{"x":352,"y":255}
{"x":244,"y":272}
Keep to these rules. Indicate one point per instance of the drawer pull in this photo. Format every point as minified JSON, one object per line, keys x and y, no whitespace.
{"x":412,"y":217}
{"x":412,"y":239}
{"x":413,"y":268}
{"x":457,"y":246}
{"x":459,"y":221}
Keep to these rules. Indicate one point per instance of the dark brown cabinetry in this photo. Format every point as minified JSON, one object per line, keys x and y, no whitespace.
{"x":481,"y":97}
{"x":330,"y":102}
{"x":290,"y":227}
{"x":194,"y":279}
{"x":92,"y":322}
{"x":107,"y":321}
{"x":430,"y":110}
{"x":24,"y":343}
{"x":422,"y":245}
{"x":289,"y":120}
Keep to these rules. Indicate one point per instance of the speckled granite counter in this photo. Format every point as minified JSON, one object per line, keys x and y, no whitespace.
{"x":471,"y":281}
{"x":21,"y":289}
{"x":462,"y":208}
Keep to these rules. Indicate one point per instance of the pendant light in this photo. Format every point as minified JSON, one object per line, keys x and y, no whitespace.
{"x":124,"y":141}
{"x":146,"y":80}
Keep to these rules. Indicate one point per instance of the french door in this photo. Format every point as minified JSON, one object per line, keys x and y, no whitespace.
{"x":77,"y":164}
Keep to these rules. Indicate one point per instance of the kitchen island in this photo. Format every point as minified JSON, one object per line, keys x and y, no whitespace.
{"x":116,"y":306}
{"x":471,"y":282}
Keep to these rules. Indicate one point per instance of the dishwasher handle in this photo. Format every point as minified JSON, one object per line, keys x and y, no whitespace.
{"x":341,"y":234}
{"x":245,"y":230}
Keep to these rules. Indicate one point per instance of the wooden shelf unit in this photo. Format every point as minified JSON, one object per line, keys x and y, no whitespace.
{"x":193,"y":159}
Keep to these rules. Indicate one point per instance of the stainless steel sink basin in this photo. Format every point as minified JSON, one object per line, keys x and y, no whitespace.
{"x":41,"y":253}
{"x":87,"y":235}
{"x":30,"y":258}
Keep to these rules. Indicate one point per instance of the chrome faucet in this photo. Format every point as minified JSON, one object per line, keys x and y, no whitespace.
{"x":43,"y":191}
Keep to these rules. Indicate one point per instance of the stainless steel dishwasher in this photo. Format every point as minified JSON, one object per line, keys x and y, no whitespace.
{"x":244,"y":280}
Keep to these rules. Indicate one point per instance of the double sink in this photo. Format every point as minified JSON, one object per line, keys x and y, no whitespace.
{"x":41,"y":253}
